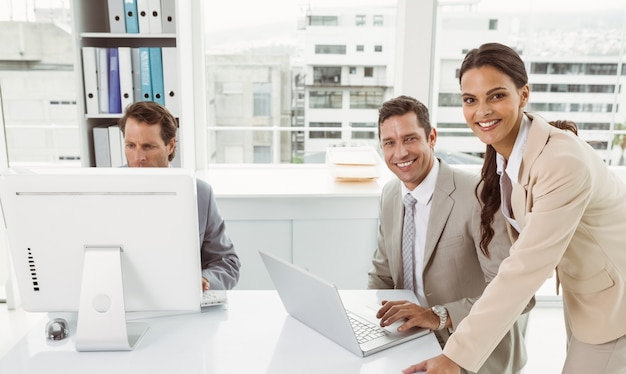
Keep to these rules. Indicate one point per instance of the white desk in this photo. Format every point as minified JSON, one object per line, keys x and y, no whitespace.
{"x":253,"y":335}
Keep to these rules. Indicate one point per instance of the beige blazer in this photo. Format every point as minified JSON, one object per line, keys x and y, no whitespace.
{"x":455,"y":271}
{"x":572,"y":212}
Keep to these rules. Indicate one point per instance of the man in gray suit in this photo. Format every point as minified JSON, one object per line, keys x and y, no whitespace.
{"x":438,"y":255}
{"x":150,"y":141}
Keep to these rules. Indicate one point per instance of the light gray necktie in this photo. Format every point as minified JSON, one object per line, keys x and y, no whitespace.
{"x":408,"y":242}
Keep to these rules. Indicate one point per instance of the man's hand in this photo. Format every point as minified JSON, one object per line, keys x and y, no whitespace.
{"x":437,"y":365}
{"x":205,"y":284}
{"x":415,"y":315}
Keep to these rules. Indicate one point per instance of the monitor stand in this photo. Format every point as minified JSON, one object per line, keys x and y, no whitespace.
{"x":101,"y":313}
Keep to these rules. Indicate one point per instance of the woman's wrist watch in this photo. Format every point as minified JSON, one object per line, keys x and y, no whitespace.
{"x":442,"y":313}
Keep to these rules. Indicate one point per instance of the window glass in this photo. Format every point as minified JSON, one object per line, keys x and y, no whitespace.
{"x":370,"y":130}
{"x":325,"y":99}
{"x":323,"y":20}
{"x":262,"y":100}
{"x":574,"y":69}
{"x":325,"y":133}
{"x":330,"y":49}
{"x":38,"y":111}
{"x":450,"y":100}
{"x":327,"y":74}
{"x":365,"y":99}
{"x":262,"y":154}
{"x":312,"y":55}
{"x":242,"y":144}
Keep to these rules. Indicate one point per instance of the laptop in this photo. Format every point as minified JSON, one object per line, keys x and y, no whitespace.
{"x":319,"y":305}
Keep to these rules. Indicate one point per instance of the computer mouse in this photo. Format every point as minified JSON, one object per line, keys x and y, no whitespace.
{"x":56,"y":329}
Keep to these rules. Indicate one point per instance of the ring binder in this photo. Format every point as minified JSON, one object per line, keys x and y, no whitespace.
{"x":120,"y":63}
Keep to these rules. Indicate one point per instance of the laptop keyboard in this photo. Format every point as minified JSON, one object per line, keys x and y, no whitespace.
{"x":366,"y":331}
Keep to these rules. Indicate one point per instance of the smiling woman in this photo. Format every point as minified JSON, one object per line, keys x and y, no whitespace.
{"x":565,"y":210}
{"x":493,"y":103}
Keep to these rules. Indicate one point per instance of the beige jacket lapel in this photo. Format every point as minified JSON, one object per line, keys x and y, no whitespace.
{"x":537,"y":139}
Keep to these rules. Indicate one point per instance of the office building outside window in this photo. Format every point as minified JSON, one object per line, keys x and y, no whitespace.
{"x":347,"y":49}
{"x":378,"y":20}
{"x":325,"y":99}
{"x":365,"y":99}
{"x":576,"y":72}
{"x":360,"y":20}
{"x":38,"y":111}
{"x":262,"y":99}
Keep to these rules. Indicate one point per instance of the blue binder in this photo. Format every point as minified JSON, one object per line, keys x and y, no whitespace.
{"x":156,"y":73}
{"x":130,"y":13}
{"x":144,"y":74}
{"x":115,"y":99}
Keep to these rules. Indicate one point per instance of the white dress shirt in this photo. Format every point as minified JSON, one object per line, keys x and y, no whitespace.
{"x":509,"y":171}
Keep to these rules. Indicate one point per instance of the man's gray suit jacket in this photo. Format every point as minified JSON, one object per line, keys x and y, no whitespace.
{"x":220,"y":263}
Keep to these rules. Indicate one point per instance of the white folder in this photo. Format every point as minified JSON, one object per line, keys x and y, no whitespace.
{"x":154,"y":13}
{"x":102,"y":70}
{"x":168,"y":16}
{"x":126,"y":76}
{"x":90,"y":79}
{"x":117,"y":22}
{"x":170,"y":80}
{"x":101,"y":146}
{"x":143,"y":14}
{"x":116,"y":146}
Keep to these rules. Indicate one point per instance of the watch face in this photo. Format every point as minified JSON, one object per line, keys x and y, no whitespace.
{"x":440,"y":310}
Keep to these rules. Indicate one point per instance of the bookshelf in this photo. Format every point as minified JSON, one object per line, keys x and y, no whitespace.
{"x":92,"y":29}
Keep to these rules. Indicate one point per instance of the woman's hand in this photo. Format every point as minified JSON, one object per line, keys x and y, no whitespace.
{"x":437,"y":365}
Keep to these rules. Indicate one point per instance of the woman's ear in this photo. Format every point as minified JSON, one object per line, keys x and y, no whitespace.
{"x":525,"y":94}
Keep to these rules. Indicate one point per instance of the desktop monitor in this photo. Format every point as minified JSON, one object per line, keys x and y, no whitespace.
{"x":103,"y":242}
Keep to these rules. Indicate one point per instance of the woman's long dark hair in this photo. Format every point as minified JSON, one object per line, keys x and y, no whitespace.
{"x":507,"y":61}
